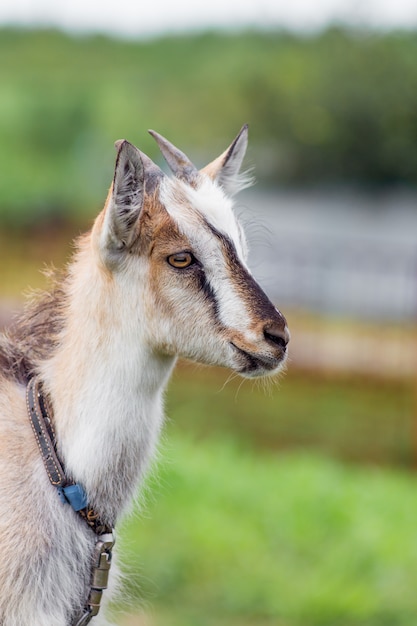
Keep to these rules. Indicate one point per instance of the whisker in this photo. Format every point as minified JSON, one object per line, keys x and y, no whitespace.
{"x":239,"y":388}
{"x":231,"y":377}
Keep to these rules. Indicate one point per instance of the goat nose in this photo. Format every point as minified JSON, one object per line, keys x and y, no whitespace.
{"x":277,"y":334}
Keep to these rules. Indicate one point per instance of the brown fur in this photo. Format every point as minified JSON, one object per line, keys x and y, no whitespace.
{"x":34,"y":334}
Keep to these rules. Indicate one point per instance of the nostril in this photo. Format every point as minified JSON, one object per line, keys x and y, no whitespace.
{"x":277,"y":335}
{"x":277,"y":341}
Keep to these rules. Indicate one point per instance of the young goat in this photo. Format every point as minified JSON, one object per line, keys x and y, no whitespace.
{"x":162,"y":274}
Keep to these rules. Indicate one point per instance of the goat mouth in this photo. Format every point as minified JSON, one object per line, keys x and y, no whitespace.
{"x":255,"y":364}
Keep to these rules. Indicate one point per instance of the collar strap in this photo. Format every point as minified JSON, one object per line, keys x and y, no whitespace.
{"x":40,"y":416}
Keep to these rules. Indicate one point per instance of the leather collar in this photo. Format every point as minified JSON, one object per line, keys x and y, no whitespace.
{"x":69,"y":492}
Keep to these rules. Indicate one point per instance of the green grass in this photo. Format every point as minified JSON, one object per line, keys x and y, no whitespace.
{"x":233,"y":536}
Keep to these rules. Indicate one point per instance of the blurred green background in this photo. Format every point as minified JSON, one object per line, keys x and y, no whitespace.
{"x":338,"y":106}
{"x":289,"y":505}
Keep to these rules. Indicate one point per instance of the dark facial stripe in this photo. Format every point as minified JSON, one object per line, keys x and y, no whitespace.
{"x":249,"y":289}
{"x":209,"y":295}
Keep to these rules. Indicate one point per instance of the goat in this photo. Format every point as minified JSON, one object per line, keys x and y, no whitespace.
{"x":162,"y":274}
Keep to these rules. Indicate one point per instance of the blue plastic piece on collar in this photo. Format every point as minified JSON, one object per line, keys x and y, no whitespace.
{"x":73,"y":495}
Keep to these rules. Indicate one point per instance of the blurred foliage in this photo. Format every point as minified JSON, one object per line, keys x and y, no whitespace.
{"x":234,"y":538}
{"x":356,"y":418}
{"x":340,"y":106}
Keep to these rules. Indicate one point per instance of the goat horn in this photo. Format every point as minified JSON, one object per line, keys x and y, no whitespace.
{"x":178,"y":162}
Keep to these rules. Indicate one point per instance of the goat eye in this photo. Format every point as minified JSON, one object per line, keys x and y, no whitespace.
{"x":181,"y":260}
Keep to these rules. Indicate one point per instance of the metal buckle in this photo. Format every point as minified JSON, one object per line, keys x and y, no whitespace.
{"x":99,"y":577}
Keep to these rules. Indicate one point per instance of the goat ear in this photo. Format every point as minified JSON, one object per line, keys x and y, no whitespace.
{"x":125,"y":198}
{"x":225,"y":169}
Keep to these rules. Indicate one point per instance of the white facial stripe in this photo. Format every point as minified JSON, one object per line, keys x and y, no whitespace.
{"x":217,"y":209}
{"x":232,"y":309}
{"x":208,"y":200}
{"x":195,"y":212}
